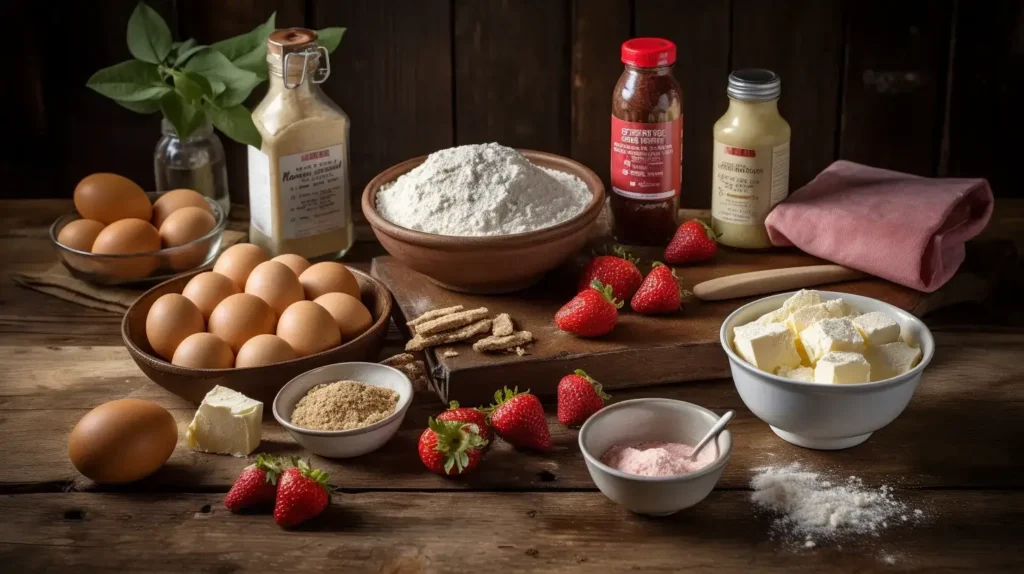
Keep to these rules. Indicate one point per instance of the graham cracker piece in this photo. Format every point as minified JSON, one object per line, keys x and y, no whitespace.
{"x":448,"y":353}
{"x":434,"y":314}
{"x":520,"y":351}
{"x":508,"y":342}
{"x":450,"y":321}
{"x":412,"y":368}
{"x":399,"y":359}
{"x":502,"y":326}
{"x":420,"y":342}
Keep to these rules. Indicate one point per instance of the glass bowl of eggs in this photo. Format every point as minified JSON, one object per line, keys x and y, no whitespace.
{"x":120,"y":235}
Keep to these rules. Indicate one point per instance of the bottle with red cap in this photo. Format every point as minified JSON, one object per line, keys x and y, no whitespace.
{"x":647,"y":144}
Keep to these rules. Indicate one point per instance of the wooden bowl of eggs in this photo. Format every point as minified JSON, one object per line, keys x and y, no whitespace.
{"x":254,"y":323}
{"x":119,"y":234}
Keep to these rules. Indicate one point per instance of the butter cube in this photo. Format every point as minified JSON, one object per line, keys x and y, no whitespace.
{"x":227,"y":422}
{"x":877,"y":328}
{"x":891,"y":359}
{"x":807,"y":316}
{"x":839,"y":368}
{"x":800,"y":299}
{"x":767,"y":347}
{"x":830,"y":335}
{"x":839,"y":308}
{"x":804,"y":374}
{"x":777,"y":316}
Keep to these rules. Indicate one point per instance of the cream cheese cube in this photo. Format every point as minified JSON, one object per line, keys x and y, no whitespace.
{"x":226,"y":422}
{"x":840,"y":368}
{"x":767,"y":347}
{"x":830,"y":335}
{"x":800,"y":299}
{"x":891,"y":359}
{"x":877,"y":328}
{"x":777,"y":316}
{"x":807,"y":316}
{"x":803,"y":374}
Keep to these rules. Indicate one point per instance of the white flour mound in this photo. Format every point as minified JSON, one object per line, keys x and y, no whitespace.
{"x":481,"y":190}
{"x":810,"y":506}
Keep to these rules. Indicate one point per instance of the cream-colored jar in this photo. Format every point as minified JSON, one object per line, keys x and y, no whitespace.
{"x":750,"y":173}
{"x":299,"y":178}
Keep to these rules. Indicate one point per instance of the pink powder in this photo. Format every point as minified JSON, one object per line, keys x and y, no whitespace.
{"x":658,"y":458}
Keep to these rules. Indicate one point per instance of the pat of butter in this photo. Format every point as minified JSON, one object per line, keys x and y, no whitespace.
{"x":227,"y":422}
{"x":839,"y":368}
{"x":877,"y":328}
{"x":776,"y":316}
{"x":800,"y":299}
{"x":807,"y":316}
{"x":767,"y":346}
{"x":830,"y":335}
{"x":891,"y":359}
{"x":804,"y":374}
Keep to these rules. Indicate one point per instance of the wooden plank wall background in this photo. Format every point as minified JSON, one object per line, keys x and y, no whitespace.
{"x":931,"y":87}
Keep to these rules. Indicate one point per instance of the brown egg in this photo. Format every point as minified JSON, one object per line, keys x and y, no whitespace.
{"x":264,"y":350}
{"x":204,"y":351}
{"x":276,"y":284}
{"x":185,"y":225}
{"x":328,"y":277}
{"x":122,"y":441}
{"x":108,"y":197}
{"x":123,"y":237}
{"x":207,"y":290}
{"x":238,"y":261}
{"x":241,"y":317}
{"x":174,"y":200}
{"x":349,"y":313}
{"x":172,"y":318}
{"x":308,"y":328}
{"x":80,"y":234}
{"x":296,"y":263}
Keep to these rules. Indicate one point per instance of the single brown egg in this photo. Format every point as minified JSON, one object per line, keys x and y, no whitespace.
{"x":275,"y":283}
{"x":185,"y":225}
{"x":174,"y":200}
{"x":80,"y":234}
{"x":308,"y":328}
{"x":125,"y":237}
{"x":296,"y":263}
{"x":238,"y":261}
{"x":241,"y":317}
{"x":352,"y":317}
{"x":328,"y":277}
{"x":203,"y":351}
{"x":264,"y":350}
{"x":172,"y":318}
{"x":122,"y":441}
{"x":108,"y":197}
{"x":207,"y":290}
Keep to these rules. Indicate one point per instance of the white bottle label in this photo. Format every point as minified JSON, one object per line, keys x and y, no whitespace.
{"x":314,"y":192}
{"x":748,"y":182}
{"x":260,"y":208}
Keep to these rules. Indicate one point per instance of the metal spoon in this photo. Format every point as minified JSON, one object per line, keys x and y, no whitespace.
{"x":711,"y":434}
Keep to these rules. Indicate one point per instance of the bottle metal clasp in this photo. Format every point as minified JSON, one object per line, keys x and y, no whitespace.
{"x":322,"y":72}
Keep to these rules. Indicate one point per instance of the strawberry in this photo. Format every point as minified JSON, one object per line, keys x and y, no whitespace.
{"x":693,"y":241}
{"x":579,"y":396}
{"x":256,"y":486}
{"x":659,"y":293}
{"x":618,"y":270}
{"x":451,"y":448}
{"x":471,"y":416}
{"x":519,"y":419}
{"x":302,"y":493}
{"x":591,"y":313}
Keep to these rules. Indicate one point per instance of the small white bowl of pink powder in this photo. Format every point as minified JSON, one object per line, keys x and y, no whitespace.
{"x":637,"y":453}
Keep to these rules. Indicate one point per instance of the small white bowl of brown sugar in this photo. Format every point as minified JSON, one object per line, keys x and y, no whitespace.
{"x":344,"y":410}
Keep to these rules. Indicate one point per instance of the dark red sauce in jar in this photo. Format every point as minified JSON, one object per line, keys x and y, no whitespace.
{"x":647,"y":144}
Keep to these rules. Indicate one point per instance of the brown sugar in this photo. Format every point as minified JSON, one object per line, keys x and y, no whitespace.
{"x":344,"y":405}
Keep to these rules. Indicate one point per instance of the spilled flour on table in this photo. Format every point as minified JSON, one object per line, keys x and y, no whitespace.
{"x":811,"y":508}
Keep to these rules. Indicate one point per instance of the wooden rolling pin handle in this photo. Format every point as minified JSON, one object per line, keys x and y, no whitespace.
{"x":772,"y":281}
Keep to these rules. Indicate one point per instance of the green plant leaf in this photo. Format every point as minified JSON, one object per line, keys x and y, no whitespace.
{"x":149,"y":38}
{"x":191,"y":85}
{"x":130,"y":81}
{"x":142,"y":107}
{"x":215,"y":66}
{"x":183,"y":115}
{"x":249,"y":51}
{"x":330,"y":38}
{"x":187,"y":52}
{"x":236,"y":123}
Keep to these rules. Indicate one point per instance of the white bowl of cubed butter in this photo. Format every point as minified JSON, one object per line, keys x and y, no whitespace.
{"x":825,"y":369}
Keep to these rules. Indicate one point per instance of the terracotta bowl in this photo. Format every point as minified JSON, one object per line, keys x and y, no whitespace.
{"x":260,"y":383}
{"x":498,"y":264}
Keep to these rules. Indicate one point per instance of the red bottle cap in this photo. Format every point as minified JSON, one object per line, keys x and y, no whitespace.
{"x":648,"y":52}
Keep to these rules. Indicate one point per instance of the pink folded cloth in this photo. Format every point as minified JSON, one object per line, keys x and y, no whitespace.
{"x":908,"y":229}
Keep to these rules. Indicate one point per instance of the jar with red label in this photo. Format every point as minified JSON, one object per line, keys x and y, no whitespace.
{"x":647,"y":144}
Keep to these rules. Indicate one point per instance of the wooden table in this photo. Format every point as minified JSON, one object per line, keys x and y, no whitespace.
{"x":956,"y":452}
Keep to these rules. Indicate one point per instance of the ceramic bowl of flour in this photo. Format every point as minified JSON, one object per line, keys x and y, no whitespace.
{"x":487,"y":263}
